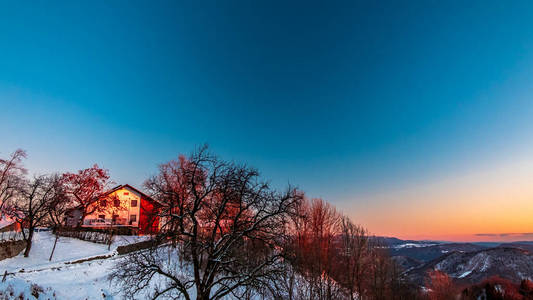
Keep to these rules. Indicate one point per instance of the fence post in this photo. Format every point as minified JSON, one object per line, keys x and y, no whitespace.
{"x":110,"y":240}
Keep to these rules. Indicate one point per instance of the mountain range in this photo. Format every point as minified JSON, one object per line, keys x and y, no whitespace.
{"x":466,"y":263}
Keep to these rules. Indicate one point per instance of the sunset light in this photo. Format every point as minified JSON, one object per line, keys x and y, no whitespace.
{"x":298,"y":150}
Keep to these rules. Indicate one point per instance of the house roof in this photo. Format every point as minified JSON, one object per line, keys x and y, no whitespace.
{"x":5,"y":221}
{"x":127,"y":186}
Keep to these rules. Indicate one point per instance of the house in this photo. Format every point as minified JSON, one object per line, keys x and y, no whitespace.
{"x":122,"y":206}
{"x":7,"y":224}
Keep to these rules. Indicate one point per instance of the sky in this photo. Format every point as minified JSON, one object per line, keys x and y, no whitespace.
{"x":414,"y":118}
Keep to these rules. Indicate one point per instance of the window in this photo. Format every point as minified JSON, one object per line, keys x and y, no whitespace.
{"x":133,"y":218}
{"x":101,"y":216}
{"x":116,"y":202}
{"x":126,"y":193}
{"x":114,"y":219}
{"x":133,"y":203}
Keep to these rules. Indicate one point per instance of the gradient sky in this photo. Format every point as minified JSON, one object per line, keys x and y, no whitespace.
{"x":414,"y":118}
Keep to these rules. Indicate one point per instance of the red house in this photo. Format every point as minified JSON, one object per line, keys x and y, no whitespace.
{"x":122,"y":206}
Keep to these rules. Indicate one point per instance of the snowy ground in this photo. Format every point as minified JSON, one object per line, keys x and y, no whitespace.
{"x":86,"y":280}
{"x":62,"y":279}
{"x":67,"y":249}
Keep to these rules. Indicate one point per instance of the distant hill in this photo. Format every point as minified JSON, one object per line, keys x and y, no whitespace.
{"x":428,"y":253}
{"x":406,"y":263}
{"x":398,"y":243}
{"x":467,"y":263}
{"x":526,"y":245}
{"x":511,"y":263}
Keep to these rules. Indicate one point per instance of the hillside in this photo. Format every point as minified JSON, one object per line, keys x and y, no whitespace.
{"x":432,"y":252}
{"x":472,"y":267}
{"x":526,"y":245}
{"x":67,"y":276}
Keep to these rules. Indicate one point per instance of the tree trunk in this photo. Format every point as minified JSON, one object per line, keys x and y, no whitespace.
{"x":54,"y":248}
{"x":202,"y":294}
{"x":82,"y":219}
{"x":28,"y":243}
{"x":202,"y":297}
{"x":110,"y":241}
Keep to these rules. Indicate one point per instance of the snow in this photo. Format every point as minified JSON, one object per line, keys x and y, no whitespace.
{"x":121,"y":240}
{"x":88,"y":280}
{"x":413,"y":245}
{"x":85,"y":280}
{"x":22,"y":289}
{"x":68,"y":276}
{"x":67,"y":249}
{"x":465,"y":274}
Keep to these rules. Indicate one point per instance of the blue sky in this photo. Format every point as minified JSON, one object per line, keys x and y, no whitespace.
{"x":346,"y":100}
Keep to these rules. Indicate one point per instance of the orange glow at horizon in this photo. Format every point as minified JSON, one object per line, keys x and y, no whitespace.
{"x":493,"y":204}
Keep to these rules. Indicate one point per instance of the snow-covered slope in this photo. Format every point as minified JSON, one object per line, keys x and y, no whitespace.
{"x":472,"y":267}
{"x":21,"y":289}
{"x":79,"y":270}
{"x":67,"y":249}
{"x":431,"y":252}
{"x":61,"y":277}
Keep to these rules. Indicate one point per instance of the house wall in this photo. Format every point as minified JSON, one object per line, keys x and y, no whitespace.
{"x":149,"y":221}
{"x":124,"y":212}
{"x":9,"y":226}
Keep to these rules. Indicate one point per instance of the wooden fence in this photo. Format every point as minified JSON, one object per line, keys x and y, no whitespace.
{"x":99,"y":237}
{"x":9,"y":236}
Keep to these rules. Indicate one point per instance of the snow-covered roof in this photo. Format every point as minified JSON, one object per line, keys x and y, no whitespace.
{"x":129,"y":187}
{"x":5,"y":221}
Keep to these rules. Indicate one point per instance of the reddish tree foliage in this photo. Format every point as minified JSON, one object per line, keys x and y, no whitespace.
{"x":85,"y":188}
{"x":355,"y":252}
{"x":498,"y":288}
{"x":336,"y":259}
{"x":440,"y":286}
{"x":526,"y":289}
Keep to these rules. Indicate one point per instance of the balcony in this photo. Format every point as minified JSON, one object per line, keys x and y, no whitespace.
{"x":105,"y":222}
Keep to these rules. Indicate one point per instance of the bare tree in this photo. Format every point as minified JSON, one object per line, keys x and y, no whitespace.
{"x":324,"y":225}
{"x":336,"y":259}
{"x":29,"y":206}
{"x":380,"y":274}
{"x":314,"y":249}
{"x":355,"y":258}
{"x":221,"y":226}
{"x":11,"y":174}
{"x":58,"y":206}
